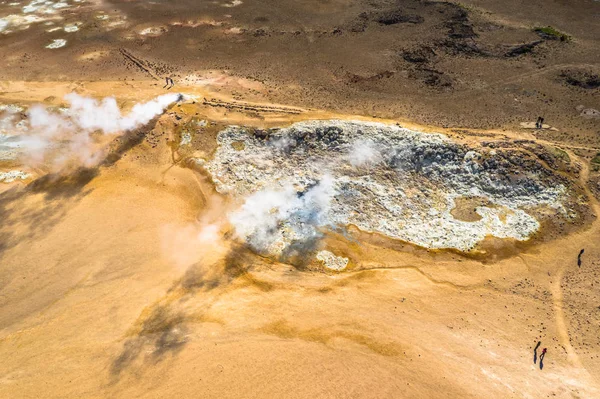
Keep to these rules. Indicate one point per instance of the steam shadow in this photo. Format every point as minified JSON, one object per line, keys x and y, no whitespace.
{"x":200,"y":278}
{"x":126,"y":142}
{"x":299,"y":253}
{"x":20,"y":220}
{"x":56,"y":185}
{"x":164,"y":329}
{"x":60,"y":191}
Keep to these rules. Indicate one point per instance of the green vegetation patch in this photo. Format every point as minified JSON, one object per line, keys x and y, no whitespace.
{"x":595,"y":163}
{"x":558,"y":153}
{"x":550,"y":33}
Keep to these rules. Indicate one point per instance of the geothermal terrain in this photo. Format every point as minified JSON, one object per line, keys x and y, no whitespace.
{"x":331,"y":199}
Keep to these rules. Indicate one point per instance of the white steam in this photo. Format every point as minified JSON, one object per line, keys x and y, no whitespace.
{"x":271,"y":220}
{"x":199,"y":243}
{"x":91,"y":115}
{"x":75,"y":134}
{"x":364,"y":153}
{"x":185,"y":245}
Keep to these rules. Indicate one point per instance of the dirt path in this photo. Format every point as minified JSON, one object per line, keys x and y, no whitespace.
{"x":520,"y":77}
{"x":555,"y":287}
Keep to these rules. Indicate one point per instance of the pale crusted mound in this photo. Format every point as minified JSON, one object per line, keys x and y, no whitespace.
{"x":380,"y":178}
{"x":331,"y":261}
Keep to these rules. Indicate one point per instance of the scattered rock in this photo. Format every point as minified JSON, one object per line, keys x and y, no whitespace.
{"x":588,"y":113}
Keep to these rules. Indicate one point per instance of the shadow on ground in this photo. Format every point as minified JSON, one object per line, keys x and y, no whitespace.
{"x":161,"y":328}
{"x":23,"y":218}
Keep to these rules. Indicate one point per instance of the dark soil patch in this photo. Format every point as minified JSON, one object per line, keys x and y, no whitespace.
{"x":466,"y":47}
{"x":459,"y":26}
{"x":433,"y":78}
{"x":522,"y":49}
{"x":397,"y":17}
{"x":420,"y":55}
{"x":583,"y":79}
{"x":373,"y":78}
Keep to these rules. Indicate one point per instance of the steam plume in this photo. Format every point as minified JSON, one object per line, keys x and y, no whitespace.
{"x":260,"y":218}
{"x":56,"y":138}
{"x":363,"y":152}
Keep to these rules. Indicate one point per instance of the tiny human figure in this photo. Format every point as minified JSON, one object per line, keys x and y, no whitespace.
{"x":579,"y":257}
{"x":539,"y":122}
{"x":535,"y":351}
{"x":543,"y":355}
{"x":169,"y":84}
{"x":542,"y":358}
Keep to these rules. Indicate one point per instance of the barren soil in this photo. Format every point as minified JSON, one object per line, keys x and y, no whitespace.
{"x":105,"y":291}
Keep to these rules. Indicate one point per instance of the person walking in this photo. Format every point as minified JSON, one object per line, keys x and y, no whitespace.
{"x":538,"y":122}
{"x":579,"y":258}
{"x":169,"y":84}
{"x":535,"y":352}
{"x":542,"y":356}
